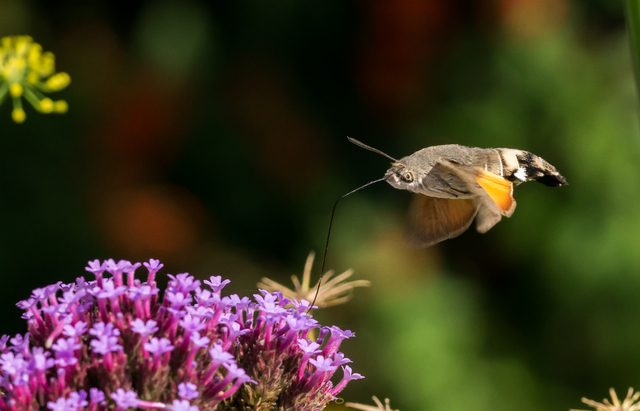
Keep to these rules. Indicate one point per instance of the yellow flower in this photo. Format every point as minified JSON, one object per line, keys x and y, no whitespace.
{"x":629,"y":403}
{"x":25,"y":71}
{"x":379,"y":407}
{"x":332,"y":292}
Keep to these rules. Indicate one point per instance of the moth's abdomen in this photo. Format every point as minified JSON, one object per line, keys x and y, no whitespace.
{"x":519,"y":166}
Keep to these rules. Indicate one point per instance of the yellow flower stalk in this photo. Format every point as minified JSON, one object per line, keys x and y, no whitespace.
{"x":378,"y":407}
{"x":332,"y":291}
{"x":629,"y":404}
{"x":26,"y":71}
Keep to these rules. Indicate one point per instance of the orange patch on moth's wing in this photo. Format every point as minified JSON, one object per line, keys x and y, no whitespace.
{"x":436,"y":219}
{"x":499,"y":189}
{"x":454,"y":213}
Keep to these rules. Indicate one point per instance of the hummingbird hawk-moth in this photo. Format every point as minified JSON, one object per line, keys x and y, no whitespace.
{"x":456,"y":184}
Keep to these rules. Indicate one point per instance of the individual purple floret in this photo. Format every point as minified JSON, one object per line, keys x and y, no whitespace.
{"x":142,"y":328}
{"x":348,"y":376}
{"x":337,"y":335}
{"x":114,"y":343}
{"x":40,"y":359}
{"x":95,"y":267}
{"x":104,"y":345}
{"x":216,"y":283}
{"x":153,"y":266}
{"x":97,"y":396}
{"x":20,"y":343}
{"x":199,"y":341}
{"x":75,"y":330}
{"x":65,"y":351}
{"x":101,"y":329}
{"x":125,"y":399}
{"x":59,"y":405}
{"x":77,"y":400}
{"x":182,"y":405}
{"x":219,"y":355}
{"x":159,"y":346}
{"x":188,"y":391}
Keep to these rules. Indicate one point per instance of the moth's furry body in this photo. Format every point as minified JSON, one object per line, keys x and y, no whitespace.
{"x":457,"y":184}
{"x":513,"y":165}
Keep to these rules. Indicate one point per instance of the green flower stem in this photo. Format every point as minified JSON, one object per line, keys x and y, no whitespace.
{"x":32,"y":98}
{"x":633,"y":24}
{"x":4,"y":90}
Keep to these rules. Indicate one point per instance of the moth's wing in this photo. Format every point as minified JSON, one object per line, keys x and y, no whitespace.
{"x":445,"y":181}
{"x":493,"y":194}
{"x":488,"y":216}
{"x":433,"y":219}
{"x":499,"y":189}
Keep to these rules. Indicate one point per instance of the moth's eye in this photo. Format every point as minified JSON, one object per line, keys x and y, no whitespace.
{"x":407,"y":177}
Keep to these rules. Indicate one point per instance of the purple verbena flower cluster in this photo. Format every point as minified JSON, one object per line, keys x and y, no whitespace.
{"x":113,"y":343}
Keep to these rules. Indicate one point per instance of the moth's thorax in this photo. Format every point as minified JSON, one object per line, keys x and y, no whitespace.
{"x":408,"y":173}
{"x":428,"y":157}
{"x":486,"y":158}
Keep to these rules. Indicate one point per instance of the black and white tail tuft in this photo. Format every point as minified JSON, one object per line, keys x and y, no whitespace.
{"x":521,"y":166}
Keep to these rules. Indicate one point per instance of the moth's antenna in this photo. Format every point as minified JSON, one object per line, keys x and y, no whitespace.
{"x":366,"y":147}
{"x":326,"y":246}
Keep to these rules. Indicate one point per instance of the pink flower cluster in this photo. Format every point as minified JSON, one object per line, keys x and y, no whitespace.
{"x":113,"y":343}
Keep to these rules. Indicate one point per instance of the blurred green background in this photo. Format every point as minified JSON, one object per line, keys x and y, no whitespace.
{"x":212,"y":136}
